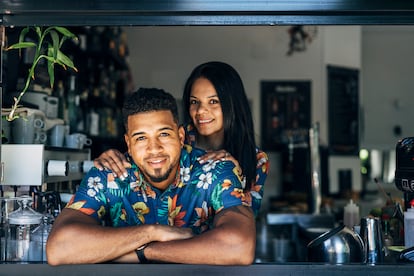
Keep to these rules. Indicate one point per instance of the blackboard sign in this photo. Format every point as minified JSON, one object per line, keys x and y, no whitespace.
{"x":343,"y":110}
{"x":286,"y":113}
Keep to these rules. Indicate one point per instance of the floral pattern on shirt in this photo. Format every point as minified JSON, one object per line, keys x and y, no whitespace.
{"x":254,"y":197}
{"x":192,"y":200}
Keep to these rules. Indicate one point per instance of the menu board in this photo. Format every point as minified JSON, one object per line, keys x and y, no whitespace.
{"x":343,"y":110}
{"x":286,"y":113}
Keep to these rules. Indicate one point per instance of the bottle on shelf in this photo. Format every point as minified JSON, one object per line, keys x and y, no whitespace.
{"x":388,"y":239}
{"x":60,"y":94}
{"x":75,"y":110}
{"x":71,"y":104}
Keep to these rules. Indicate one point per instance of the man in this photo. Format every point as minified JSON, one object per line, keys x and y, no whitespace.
{"x":170,"y":208}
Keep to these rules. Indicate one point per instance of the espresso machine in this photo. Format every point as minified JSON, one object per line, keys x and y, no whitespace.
{"x":404,"y":170}
{"x":404,"y":181}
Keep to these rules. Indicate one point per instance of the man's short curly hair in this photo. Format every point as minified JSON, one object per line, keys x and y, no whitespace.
{"x":146,"y":100}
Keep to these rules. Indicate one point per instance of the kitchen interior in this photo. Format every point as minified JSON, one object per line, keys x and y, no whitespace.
{"x":330,"y":104}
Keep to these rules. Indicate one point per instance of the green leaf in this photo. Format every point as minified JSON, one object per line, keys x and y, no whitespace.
{"x":51,"y":71}
{"x":38,"y":32}
{"x":65,"y":32}
{"x":23,"y":33}
{"x":55,"y":39}
{"x":61,"y":57}
{"x":21,"y":45}
{"x":49,"y":58}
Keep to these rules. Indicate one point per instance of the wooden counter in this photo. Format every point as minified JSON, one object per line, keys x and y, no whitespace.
{"x":180,"y":270}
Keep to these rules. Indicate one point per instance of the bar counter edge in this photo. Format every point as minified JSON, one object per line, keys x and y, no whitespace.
{"x":180,"y":269}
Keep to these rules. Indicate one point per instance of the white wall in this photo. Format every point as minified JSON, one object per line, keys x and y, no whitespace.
{"x":343,"y":46}
{"x":388,"y":87}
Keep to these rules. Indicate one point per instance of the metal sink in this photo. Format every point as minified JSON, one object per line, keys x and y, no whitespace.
{"x":302,"y":228}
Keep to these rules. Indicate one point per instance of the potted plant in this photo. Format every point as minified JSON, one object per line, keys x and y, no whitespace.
{"x":48,"y":43}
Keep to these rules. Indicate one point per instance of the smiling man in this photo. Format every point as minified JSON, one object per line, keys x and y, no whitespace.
{"x":170,"y":208}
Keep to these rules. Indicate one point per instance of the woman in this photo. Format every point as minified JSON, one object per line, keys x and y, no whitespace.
{"x":217,"y":119}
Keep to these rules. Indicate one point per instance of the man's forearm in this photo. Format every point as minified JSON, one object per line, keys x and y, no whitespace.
{"x":95,"y":245}
{"x":231,"y":242}
{"x":74,"y":239}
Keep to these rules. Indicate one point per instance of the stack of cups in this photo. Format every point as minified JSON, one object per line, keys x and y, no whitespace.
{"x":57,"y":135}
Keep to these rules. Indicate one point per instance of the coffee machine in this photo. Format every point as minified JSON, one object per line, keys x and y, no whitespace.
{"x":404,"y":170}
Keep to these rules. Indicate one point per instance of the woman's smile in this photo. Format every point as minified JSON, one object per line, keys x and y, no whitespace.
{"x":204,"y":121}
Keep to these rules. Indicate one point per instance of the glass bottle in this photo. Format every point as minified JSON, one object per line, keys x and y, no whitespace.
{"x":39,"y":238}
{"x":60,"y":94}
{"x":72,"y":102}
{"x":388,"y":239}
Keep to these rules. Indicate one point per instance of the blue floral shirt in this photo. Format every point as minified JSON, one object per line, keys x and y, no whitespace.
{"x":197,"y":194}
{"x":253,"y":197}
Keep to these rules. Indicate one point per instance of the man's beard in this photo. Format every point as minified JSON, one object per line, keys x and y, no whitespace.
{"x":160,"y":178}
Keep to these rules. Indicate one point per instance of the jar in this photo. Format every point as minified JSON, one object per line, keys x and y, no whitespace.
{"x":21,"y":223}
{"x":7,"y":205}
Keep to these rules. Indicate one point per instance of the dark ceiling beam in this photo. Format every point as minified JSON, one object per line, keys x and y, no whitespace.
{"x":205,"y":12}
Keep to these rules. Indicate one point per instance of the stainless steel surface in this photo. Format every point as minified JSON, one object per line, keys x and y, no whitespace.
{"x":338,"y":246}
{"x":282,"y":250}
{"x":299,"y":228}
{"x":315,"y":169}
{"x":302,"y":220}
{"x":262,"y":241}
{"x":33,"y":158}
{"x":372,"y":237}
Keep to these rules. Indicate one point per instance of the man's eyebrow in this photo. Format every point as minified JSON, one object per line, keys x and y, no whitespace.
{"x":137,"y":133}
{"x":160,"y":129}
{"x":165,"y":128}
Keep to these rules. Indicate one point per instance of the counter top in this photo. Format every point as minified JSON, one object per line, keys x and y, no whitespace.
{"x":303,"y":220}
{"x":179,"y":269}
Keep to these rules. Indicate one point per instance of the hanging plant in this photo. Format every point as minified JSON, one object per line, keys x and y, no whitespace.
{"x":300,"y":37}
{"x":48,"y":46}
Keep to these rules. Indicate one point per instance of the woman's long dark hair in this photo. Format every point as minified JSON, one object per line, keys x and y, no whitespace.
{"x":239,"y":138}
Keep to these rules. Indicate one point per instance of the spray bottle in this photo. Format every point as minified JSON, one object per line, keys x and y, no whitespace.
{"x":351,"y":214}
{"x":409,"y":226}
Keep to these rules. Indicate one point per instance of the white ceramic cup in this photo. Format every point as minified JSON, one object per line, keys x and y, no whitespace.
{"x":40,"y":137}
{"x":57,"y":135}
{"x":77,"y":141}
